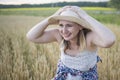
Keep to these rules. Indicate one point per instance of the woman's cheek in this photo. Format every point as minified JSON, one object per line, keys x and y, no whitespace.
{"x":60,"y":31}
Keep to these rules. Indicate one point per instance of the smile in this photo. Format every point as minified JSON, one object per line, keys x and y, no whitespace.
{"x":67,"y":35}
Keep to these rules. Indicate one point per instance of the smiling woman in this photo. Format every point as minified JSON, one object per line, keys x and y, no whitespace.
{"x":79,"y":37}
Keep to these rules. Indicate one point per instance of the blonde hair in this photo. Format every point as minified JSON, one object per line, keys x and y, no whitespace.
{"x":81,"y":41}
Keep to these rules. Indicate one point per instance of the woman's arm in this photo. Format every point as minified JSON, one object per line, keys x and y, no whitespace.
{"x":37,"y":30}
{"x":100,"y":36}
{"x":38,"y":34}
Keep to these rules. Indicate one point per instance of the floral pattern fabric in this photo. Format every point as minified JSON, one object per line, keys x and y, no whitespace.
{"x":63,"y":72}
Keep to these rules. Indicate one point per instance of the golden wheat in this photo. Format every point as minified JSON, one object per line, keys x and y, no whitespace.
{"x":21,"y":59}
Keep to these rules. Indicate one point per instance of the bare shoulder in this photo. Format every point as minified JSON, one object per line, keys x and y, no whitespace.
{"x":89,"y":38}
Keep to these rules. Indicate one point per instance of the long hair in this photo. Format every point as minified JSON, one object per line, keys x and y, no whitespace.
{"x":81,"y":40}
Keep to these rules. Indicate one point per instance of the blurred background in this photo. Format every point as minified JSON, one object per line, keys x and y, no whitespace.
{"x":21,"y":59}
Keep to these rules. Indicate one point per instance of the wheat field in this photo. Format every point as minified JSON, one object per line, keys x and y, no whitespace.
{"x":21,"y":59}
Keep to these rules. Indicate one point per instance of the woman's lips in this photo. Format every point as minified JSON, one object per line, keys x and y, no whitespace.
{"x":67,"y":35}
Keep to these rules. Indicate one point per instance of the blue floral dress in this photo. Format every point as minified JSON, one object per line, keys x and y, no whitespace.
{"x":63,"y":71}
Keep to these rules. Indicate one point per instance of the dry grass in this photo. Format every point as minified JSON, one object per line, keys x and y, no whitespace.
{"x":23,"y":60}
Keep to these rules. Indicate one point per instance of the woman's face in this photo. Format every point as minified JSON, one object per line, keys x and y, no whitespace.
{"x":69,"y":30}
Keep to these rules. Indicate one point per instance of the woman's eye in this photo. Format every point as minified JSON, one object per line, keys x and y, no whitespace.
{"x":68,"y":25}
{"x":60,"y":25}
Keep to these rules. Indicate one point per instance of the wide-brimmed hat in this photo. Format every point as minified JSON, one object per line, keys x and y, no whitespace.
{"x":71,"y":15}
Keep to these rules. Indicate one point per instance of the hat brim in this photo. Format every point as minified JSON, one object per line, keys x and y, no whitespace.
{"x":80,"y":21}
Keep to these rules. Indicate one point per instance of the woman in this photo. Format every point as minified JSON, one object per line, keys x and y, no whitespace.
{"x":79,"y":36}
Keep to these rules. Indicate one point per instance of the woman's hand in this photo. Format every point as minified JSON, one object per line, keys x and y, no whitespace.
{"x":58,"y":12}
{"x":53,"y":21}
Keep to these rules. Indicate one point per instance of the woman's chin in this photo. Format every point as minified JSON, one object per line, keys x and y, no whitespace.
{"x":67,"y":38}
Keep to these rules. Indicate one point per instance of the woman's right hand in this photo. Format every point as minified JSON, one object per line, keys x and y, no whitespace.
{"x":53,"y":21}
{"x":58,"y":12}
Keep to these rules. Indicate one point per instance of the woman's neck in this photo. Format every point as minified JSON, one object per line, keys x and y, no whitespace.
{"x":74,"y":46}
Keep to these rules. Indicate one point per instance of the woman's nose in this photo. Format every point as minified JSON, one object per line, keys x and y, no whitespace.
{"x":64,"y":30}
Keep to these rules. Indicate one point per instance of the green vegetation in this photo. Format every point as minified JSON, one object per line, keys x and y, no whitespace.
{"x":58,"y":4}
{"x":98,"y":8}
{"x":115,"y":4}
{"x":28,"y":11}
{"x":105,"y":15}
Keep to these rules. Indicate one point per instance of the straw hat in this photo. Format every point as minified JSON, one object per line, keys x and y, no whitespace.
{"x":80,"y":17}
